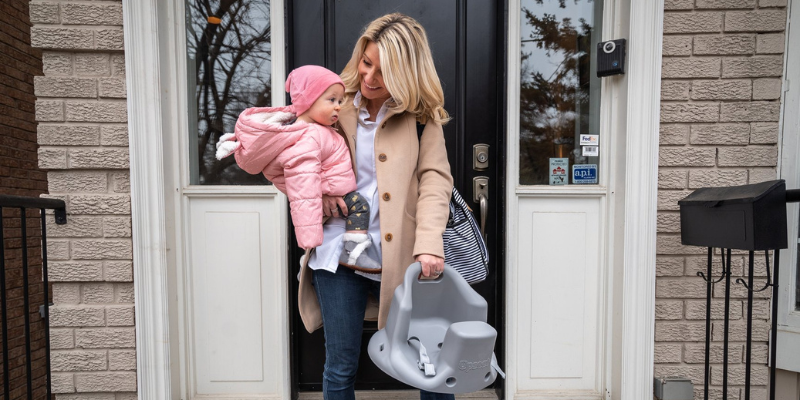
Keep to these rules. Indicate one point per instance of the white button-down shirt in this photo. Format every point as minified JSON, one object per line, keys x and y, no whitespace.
{"x":326,"y":255}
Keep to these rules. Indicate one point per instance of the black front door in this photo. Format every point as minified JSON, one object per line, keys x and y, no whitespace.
{"x":468,"y":43}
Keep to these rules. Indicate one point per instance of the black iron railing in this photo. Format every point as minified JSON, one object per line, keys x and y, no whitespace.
{"x":23,"y":204}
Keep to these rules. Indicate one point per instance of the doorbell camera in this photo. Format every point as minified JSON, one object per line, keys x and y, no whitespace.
{"x":611,"y":58}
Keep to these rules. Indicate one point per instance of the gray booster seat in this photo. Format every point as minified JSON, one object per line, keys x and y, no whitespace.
{"x":436,"y":336}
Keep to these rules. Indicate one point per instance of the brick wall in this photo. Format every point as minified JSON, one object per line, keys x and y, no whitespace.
{"x":720,"y":106}
{"x":83,"y":138}
{"x":20,"y":176}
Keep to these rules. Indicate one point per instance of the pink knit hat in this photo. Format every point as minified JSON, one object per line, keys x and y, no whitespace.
{"x":307,"y":83}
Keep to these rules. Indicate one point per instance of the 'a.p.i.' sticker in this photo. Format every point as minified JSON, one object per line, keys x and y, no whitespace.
{"x":584,"y":174}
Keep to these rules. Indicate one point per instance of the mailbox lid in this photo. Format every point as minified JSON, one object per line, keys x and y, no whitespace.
{"x":732,"y":194}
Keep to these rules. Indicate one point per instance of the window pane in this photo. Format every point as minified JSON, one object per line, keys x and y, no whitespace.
{"x":229,"y":69}
{"x":559,"y":90}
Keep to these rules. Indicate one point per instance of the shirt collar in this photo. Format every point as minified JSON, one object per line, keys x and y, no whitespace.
{"x":363,"y":114}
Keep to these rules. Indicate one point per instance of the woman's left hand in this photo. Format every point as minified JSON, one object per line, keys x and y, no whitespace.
{"x":432,"y":266}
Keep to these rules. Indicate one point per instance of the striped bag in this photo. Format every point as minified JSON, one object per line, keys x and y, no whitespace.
{"x":464,"y":248}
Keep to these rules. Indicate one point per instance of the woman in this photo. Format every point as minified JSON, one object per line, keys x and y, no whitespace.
{"x":390,"y":85}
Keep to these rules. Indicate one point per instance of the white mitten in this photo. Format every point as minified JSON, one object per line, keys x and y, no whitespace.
{"x":226,"y":146}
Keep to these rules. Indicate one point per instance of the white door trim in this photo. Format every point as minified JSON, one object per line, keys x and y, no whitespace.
{"x":148,"y":208}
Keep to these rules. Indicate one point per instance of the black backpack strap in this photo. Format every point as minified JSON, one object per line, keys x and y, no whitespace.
{"x":420,"y":128}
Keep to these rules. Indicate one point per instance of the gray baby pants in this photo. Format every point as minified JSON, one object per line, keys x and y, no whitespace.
{"x":357,"y":212}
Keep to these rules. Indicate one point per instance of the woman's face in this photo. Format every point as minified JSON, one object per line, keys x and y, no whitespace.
{"x":369,"y":69}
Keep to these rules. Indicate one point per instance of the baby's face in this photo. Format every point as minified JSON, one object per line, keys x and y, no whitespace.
{"x":325,"y":111}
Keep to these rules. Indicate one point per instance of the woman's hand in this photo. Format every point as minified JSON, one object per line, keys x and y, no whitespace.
{"x":432,"y":266}
{"x":331,"y":206}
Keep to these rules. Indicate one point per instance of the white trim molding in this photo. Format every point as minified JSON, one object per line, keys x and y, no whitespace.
{"x":148,"y":207}
{"x":641,"y":178}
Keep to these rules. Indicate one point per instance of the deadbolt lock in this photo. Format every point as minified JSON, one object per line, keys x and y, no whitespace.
{"x":480,"y":157}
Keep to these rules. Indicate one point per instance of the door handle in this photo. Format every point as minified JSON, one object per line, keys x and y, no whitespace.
{"x":480,"y":195}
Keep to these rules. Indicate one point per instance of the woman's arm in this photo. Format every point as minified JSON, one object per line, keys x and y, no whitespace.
{"x":435,"y":188}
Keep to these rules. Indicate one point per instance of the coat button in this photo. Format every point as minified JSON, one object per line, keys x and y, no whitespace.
{"x":382,"y":157}
{"x":388,"y":237}
{"x":387,"y":196}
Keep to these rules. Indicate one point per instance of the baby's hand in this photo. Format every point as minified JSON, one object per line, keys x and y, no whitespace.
{"x":226,"y":146}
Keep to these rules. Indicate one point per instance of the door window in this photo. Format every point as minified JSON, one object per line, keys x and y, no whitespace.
{"x":559,"y":92}
{"x":229,"y":59}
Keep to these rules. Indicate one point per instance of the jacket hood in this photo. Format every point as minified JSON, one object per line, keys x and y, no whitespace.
{"x":267,"y":123}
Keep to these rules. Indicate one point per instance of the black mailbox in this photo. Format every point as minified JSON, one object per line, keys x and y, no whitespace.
{"x":749,"y":217}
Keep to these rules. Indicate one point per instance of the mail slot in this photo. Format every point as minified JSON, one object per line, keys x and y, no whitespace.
{"x":748,"y":217}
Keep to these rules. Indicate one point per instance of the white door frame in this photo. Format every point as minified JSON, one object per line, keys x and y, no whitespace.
{"x":640,"y":21}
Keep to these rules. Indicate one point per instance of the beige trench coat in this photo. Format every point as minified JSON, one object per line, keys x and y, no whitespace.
{"x":414,"y":186}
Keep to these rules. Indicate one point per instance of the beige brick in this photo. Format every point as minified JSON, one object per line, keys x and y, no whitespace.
{"x":74,"y":271}
{"x":754,"y":111}
{"x":61,"y":339}
{"x":68,"y":316}
{"x":675,"y":90}
{"x":672,"y":179}
{"x":120,"y":316}
{"x":134,"y":396}
{"x":102,"y":249}
{"x":124,"y":293}
{"x":668,"y":331}
{"x":761,"y":175}
{"x":50,"y":158}
{"x":57,"y":250}
{"x":696,"y":309}
{"x":77,"y":181}
{"x":695,"y":373}
{"x":678,"y":4}
{"x":54,"y":64}
{"x":762,"y":308}
{"x":76,"y":227}
{"x":44,"y":13}
{"x":686,"y":157}
{"x":696,"y":353}
{"x":114,"y":135}
{"x":68,"y":135}
{"x":714,"y":393}
{"x":668,"y":223}
{"x":668,"y":199}
{"x":122,"y":360}
{"x":767,"y":89}
{"x":739,"y":292}
{"x":62,"y":38}
{"x":103,"y":111}
{"x":700,"y":264}
{"x":91,"y":14}
{"x":87,"y":396}
{"x":750,"y":156}
{"x":680,"y":288}
{"x":716,"y":178}
{"x":121,"y":182}
{"x":669,"y":309}
{"x":99,"y":158}
{"x":772,"y":3}
{"x":691,"y":112}
{"x":66,"y":293}
{"x":673,"y":134}
{"x":106,"y":382}
{"x":91,"y":204}
{"x":770,"y":43}
{"x":672,"y":266}
{"x":117,"y":65}
{"x":109,"y":39}
{"x":721,"y":90}
{"x":717,"y":4}
{"x":98,"y":293}
{"x":64,"y":87}
{"x":736,"y":374}
{"x":752,"y":67}
{"x":759,"y":353}
{"x":667,"y":353}
{"x":672,"y":245}
{"x":677,"y":67}
{"x":113,"y":88}
{"x":117,"y":227}
{"x":62,"y":383}
{"x":723,"y":134}
{"x":755,"y":21}
{"x":49,"y":111}
{"x":92,"y":64}
{"x":676,"y":46}
{"x":724,"y":44}
{"x":78,"y":361}
{"x":101,"y":338}
{"x":119,"y":271}
{"x":699,"y":22}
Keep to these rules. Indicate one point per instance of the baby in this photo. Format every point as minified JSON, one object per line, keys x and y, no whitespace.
{"x":298,"y":151}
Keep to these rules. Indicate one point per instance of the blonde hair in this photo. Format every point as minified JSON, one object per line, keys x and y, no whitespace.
{"x":406,"y":64}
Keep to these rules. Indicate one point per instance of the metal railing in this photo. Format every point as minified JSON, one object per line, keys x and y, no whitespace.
{"x":23,"y":204}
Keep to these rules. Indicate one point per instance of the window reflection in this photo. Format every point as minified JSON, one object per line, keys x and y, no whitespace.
{"x":229,"y":69}
{"x":559,"y":90}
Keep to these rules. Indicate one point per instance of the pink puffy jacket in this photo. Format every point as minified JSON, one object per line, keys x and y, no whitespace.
{"x":302,"y":160}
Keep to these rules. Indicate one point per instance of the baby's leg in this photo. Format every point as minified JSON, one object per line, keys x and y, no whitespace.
{"x":356,"y":239}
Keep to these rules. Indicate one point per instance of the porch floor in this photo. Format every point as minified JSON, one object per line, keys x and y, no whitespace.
{"x":398,"y":395}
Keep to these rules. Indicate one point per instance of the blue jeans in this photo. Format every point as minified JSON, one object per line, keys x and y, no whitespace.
{"x":342,"y":299}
